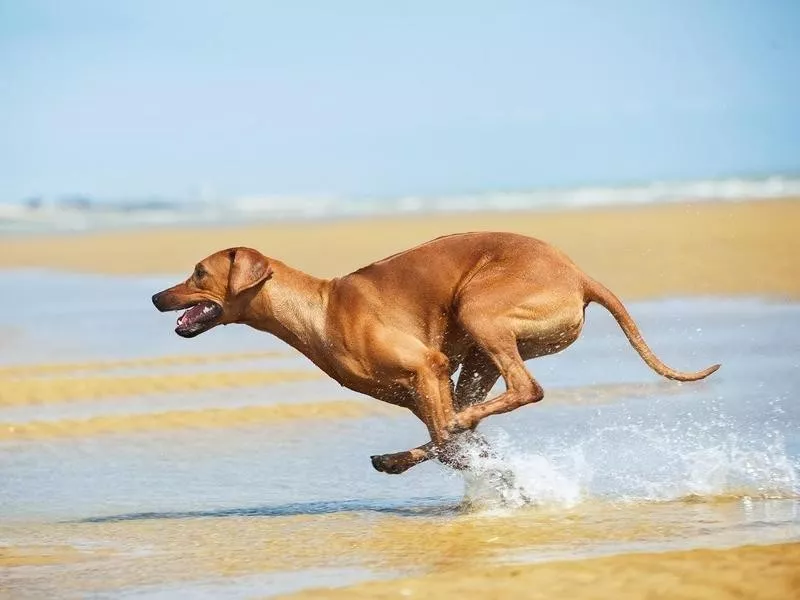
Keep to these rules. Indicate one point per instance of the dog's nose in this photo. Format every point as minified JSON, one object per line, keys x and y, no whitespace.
{"x":155,"y":298}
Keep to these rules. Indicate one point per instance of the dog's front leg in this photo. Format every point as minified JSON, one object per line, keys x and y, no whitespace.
{"x":431,"y":401}
{"x":432,"y":389}
{"x":457,"y":455}
{"x":400,"y":462}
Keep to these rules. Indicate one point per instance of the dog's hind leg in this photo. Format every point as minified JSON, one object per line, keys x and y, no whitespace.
{"x":500,"y":345}
{"x":477,"y":378}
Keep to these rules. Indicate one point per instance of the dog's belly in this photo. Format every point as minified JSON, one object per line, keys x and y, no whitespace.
{"x":536,"y":337}
{"x":385,"y":391}
{"x":541,"y":337}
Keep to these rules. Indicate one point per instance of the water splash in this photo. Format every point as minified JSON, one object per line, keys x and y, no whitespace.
{"x":513,"y":478}
{"x":634,"y":463}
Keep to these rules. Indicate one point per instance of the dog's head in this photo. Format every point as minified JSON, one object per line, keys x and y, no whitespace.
{"x":218,"y":291}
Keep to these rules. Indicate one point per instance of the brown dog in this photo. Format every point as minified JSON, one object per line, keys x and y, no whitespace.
{"x":399,"y":328}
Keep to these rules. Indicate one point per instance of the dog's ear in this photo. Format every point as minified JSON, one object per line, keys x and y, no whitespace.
{"x":249,"y":268}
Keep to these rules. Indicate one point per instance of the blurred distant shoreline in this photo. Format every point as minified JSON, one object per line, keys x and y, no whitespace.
{"x":80,"y":213}
{"x":641,"y":251}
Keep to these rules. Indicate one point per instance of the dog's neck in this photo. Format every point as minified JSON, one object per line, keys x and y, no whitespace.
{"x":291,"y":305}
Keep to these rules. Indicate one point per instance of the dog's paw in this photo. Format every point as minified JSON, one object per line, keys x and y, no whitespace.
{"x":384,"y":463}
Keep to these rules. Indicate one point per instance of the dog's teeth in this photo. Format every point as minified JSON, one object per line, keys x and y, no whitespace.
{"x":206,"y":309}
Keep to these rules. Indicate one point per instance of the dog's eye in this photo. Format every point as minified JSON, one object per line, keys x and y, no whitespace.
{"x":199,"y":272}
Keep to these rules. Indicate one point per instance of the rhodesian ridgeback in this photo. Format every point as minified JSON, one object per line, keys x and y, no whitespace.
{"x":399,"y":328}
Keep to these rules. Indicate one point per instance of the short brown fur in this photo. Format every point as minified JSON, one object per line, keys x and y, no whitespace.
{"x":399,"y":328}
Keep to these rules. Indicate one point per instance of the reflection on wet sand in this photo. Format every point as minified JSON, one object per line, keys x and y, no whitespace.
{"x":15,"y":392}
{"x":39,"y":555}
{"x":423,"y":539}
{"x":57,"y":384}
{"x":46,"y":369}
{"x":752,"y":572}
{"x":181,"y":419}
{"x":67,"y":389}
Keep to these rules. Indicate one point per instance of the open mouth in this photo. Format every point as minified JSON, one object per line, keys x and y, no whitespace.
{"x":198,"y":318}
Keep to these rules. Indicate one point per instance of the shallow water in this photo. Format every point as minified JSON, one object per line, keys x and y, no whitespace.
{"x":613,"y":460}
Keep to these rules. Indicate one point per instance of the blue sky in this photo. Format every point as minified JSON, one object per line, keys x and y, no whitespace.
{"x":121,"y":98}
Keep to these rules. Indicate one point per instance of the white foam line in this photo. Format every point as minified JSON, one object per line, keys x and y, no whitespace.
{"x":51,"y":215}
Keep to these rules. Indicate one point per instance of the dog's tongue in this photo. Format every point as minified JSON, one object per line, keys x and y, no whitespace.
{"x":191,"y":315}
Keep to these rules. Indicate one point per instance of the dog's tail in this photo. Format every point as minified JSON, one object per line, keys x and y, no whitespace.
{"x":597,"y":292}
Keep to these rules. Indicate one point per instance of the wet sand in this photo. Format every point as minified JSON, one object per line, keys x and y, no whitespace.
{"x":138,"y":464}
{"x":132,"y":384}
{"x":59,"y":389}
{"x":180,"y":419}
{"x":643,"y":252}
{"x":159,"y":420}
{"x":434,"y":551}
{"x":43,"y":369}
{"x":753,"y":572}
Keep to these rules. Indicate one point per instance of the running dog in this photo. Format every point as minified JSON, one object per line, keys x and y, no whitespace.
{"x":399,"y":328}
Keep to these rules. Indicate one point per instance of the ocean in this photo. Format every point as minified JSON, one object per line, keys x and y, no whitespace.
{"x":83,"y":213}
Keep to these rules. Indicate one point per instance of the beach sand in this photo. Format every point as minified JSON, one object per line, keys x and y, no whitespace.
{"x":752,"y":572}
{"x":650,"y":251}
{"x":460,"y":556}
{"x":82,"y":434}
